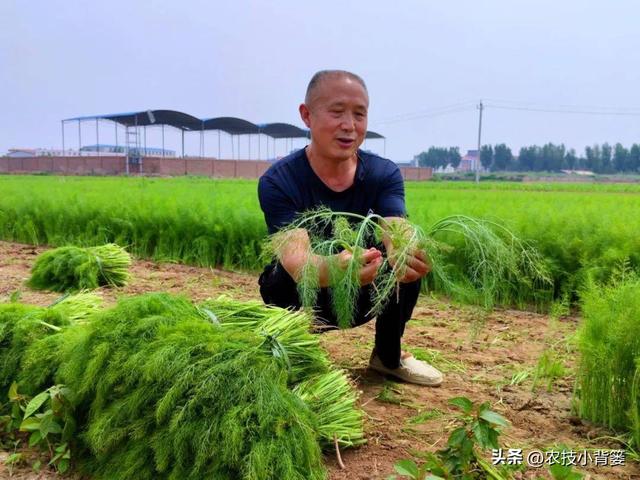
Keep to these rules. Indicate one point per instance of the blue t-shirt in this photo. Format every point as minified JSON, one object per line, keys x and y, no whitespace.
{"x":290,"y":186}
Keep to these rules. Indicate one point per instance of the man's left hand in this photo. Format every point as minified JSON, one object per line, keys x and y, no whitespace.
{"x":417,"y":266}
{"x":417,"y":263}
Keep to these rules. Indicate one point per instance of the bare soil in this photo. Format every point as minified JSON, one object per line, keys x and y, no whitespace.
{"x":479,"y":352}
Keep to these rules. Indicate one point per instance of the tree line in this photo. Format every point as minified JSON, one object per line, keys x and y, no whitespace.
{"x":603,"y":158}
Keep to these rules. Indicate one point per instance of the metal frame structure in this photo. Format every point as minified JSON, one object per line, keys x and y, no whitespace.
{"x":136,"y":141}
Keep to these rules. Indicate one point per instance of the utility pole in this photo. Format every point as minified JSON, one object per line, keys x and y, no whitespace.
{"x":480,"y":107}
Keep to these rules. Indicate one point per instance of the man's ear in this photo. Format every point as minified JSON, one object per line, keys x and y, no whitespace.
{"x":304,"y":114}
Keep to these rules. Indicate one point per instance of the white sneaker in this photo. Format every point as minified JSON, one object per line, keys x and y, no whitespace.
{"x":410,"y":370}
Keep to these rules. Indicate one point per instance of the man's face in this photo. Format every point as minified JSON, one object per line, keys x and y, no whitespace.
{"x":337,"y":117}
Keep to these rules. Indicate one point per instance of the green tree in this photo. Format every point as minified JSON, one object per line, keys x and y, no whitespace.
{"x":552,"y":157}
{"x":607,"y":165}
{"x":486,"y":156}
{"x":454,"y":157}
{"x":420,"y":159}
{"x":570,"y":159}
{"x":620,"y":158}
{"x":633,"y":160}
{"x":593,"y":158}
{"x":502,"y":158}
{"x":437,"y":157}
{"x":539,"y":161}
{"x":527,"y":158}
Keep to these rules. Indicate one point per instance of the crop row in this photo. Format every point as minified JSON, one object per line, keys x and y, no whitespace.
{"x":581,"y":231}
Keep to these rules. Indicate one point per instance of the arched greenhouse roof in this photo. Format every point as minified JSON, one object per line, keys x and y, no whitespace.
{"x":373,"y":135}
{"x":231,"y":125}
{"x":283,"y":130}
{"x":186,"y":122}
{"x":176,"y":119}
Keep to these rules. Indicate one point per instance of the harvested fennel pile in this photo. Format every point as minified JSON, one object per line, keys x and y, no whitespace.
{"x":74,"y":268}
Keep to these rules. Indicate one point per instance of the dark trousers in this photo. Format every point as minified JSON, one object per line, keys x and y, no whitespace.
{"x":278,"y":288}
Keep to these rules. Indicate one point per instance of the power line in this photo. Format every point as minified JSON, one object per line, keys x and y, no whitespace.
{"x":429,"y":110}
{"x":567,"y":109}
{"x":574,"y":112}
{"x":564,"y":106}
{"x":501,"y":104}
{"x":513,"y":106}
{"x":429,"y":113}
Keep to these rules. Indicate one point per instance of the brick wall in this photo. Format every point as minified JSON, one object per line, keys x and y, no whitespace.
{"x":416,"y":173}
{"x":115,"y":165}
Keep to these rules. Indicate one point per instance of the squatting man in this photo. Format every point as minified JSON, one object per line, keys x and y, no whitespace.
{"x":333,"y":172}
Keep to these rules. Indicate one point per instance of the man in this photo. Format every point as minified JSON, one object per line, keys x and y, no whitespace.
{"x":332,"y":171}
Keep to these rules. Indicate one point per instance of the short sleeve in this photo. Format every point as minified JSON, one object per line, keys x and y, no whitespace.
{"x":278,"y":208}
{"x":390,"y":202}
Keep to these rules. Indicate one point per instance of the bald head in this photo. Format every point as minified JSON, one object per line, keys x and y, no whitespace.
{"x":335,"y":109}
{"x":322,"y":75}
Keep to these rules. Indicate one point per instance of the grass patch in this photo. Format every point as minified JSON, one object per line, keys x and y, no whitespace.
{"x":550,"y":367}
{"x":390,"y":393}
{"x":608,"y":376}
{"x":437,"y":359}
{"x":425,"y":416}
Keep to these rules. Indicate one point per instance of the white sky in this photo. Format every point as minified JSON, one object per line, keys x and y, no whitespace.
{"x":253,"y":59}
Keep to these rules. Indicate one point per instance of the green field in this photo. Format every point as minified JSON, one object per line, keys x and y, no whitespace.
{"x":581,"y":229}
{"x":177,"y":355}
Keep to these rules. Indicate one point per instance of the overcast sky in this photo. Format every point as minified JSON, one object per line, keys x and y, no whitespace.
{"x":253,"y":59}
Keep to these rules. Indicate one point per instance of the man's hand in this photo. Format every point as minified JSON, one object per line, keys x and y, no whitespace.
{"x":371,"y":260}
{"x":294,"y":253}
{"x":417,"y":266}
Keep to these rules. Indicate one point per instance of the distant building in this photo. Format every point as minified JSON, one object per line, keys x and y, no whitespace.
{"x":89,"y":150}
{"x":122,"y":150}
{"x":448,"y":169}
{"x":468,"y":162}
{"x":586,"y":173}
{"x":20,"y":152}
{"x":38,"y":152}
